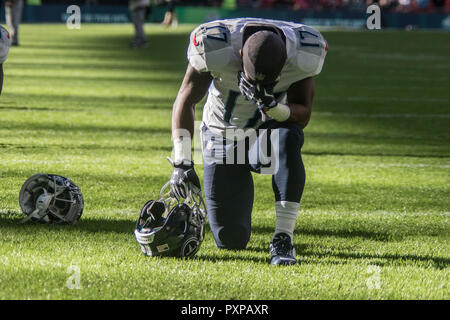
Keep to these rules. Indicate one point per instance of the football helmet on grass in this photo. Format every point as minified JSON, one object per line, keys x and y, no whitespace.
{"x":50,"y":198}
{"x":170,"y":227}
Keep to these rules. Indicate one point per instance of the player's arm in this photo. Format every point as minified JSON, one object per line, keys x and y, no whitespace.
{"x":193,"y":88}
{"x":300,"y":97}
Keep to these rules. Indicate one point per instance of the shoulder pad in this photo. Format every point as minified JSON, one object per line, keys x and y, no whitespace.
{"x":209,"y":46}
{"x":5,"y":43}
{"x":311,"y":50}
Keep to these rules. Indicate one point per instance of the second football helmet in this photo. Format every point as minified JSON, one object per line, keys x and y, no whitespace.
{"x":51,"y":198}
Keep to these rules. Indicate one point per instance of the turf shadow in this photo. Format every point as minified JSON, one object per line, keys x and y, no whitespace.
{"x":375,"y":154}
{"x":82,"y":102}
{"x":352,"y":232}
{"x":11,"y":220}
{"x":233,"y":256}
{"x":150,"y":78}
{"x":30,"y":109}
{"x":38,"y":149}
{"x":380,"y":259}
{"x":84,"y":128}
{"x":105,"y":66}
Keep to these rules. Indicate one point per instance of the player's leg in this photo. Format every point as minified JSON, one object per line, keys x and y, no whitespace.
{"x":288,"y":181}
{"x":140,"y":33}
{"x":229,"y":198}
{"x":138,"y":18}
{"x":17,"y":8}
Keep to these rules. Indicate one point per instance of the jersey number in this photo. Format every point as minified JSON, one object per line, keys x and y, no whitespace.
{"x":305,"y":35}
{"x":221,"y":35}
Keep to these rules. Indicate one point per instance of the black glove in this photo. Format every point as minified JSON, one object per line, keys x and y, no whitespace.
{"x":261,"y":96}
{"x":184,"y":179}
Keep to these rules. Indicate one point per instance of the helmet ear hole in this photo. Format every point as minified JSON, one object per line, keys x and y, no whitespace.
{"x":156,"y":210}
{"x":168,"y":229}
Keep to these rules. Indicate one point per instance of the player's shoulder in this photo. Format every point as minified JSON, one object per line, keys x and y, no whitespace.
{"x":5,"y":44}
{"x":307,"y":49}
{"x":210,"y":46}
{"x":212,"y":36}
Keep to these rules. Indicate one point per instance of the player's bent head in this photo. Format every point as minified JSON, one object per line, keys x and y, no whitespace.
{"x":263,"y":57}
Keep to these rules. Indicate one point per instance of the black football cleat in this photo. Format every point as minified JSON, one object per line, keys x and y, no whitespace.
{"x":282,"y":250}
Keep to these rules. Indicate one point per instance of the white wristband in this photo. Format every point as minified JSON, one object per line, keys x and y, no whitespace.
{"x":280,"y":112}
{"x":182,"y":150}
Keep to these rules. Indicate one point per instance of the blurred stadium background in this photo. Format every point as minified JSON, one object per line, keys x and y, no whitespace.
{"x":343,"y":13}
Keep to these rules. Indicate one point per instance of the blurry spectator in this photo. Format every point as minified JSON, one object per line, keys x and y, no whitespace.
{"x":356,"y":5}
{"x":13,"y":13}
{"x":268,"y":3}
{"x":256,"y":3}
{"x":214,"y":3}
{"x":439,"y":4}
{"x":359,"y":5}
{"x":423,"y":4}
{"x":406,"y":6}
{"x":302,"y":4}
{"x":328,"y":4}
{"x":170,"y":17}
{"x":139,"y":11}
{"x":387,"y":5}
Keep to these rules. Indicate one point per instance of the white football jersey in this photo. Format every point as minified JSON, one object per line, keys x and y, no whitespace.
{"x":5,"y":43}
{"x":215,"y":47}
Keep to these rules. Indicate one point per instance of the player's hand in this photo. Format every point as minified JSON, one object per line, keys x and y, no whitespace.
{"x":184,"y":180}
{"x":261,"y":96}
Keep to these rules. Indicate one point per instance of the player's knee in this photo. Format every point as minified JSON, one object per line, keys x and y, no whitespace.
{"x":233,"y":238}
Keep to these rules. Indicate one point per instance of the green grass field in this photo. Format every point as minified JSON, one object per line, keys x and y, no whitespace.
{"x":374,"y":220}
